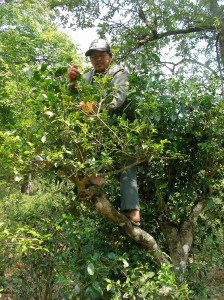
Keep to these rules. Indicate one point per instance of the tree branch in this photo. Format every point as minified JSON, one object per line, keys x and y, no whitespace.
{"x":141,"y":41}
{"x":104,"y":207}
{"x":164,"y":63}
{"x":199,"y":207}
{"x":150,"y":38}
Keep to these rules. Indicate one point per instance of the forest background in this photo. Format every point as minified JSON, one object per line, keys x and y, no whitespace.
{"x":61,"y":239}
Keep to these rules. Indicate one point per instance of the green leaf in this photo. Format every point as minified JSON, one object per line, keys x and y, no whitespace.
{"x":18,"y":177}
{"x":77,"y":289}
{"x":109,"y":287}
{"x":43,"y":139}
{"x":43,"y":67}
{"x":49,"y":113}
{"x":125,"y":263}
{"x":111,"y":255}
{"x":90,"y":269}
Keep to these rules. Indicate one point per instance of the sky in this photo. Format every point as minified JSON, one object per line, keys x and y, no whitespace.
{"x":82,"y":37}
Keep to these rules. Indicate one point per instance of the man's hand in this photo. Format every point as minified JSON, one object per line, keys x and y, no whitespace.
{"x":87,"y":107}
{"x":73,"y":73}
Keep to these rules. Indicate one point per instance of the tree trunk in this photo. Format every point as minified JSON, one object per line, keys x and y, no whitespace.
{"x":180,"y":237}
{"x":179,"y":241}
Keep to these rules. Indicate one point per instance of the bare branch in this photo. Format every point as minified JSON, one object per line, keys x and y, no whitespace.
{"x":164,"y":63}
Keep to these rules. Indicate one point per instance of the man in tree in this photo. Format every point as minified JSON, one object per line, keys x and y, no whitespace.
{"x":101,"y":60}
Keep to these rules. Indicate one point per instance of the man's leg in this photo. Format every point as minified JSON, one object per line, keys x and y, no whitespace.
{"x":129,"y":194}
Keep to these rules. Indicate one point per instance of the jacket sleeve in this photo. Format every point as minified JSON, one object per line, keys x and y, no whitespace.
{"x":120,"y":88}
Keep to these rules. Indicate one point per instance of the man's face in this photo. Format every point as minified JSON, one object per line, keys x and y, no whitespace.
{"x":100,"y":60}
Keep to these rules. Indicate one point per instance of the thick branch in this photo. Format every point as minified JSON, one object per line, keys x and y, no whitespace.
{"x":103,"y":206}
{"x":197,"y":210}
{"x":150,"y":38}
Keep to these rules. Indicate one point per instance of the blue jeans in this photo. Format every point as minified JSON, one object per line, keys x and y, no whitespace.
{"x":129,"y":189}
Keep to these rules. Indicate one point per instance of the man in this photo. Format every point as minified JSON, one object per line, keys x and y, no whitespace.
{"x":101,"y":60}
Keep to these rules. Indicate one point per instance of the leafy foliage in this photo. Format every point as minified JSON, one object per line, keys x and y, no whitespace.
{"x":182,"y":114}
{"x":172,"y":127}
{"x":43,"y":43}
{"x":50,"y":253}
{"x":27,"y":37}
